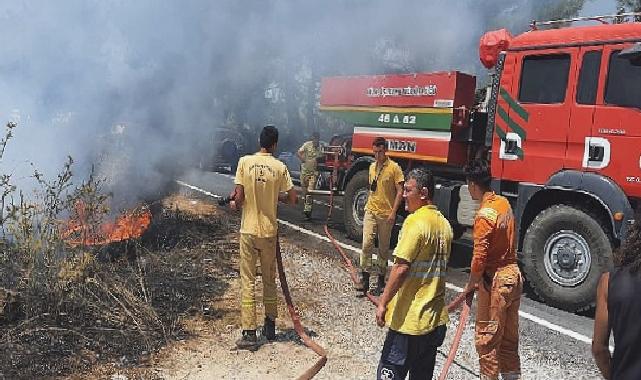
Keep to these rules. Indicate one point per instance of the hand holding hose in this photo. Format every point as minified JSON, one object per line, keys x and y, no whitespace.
{"x":234,"y":199}
{"x":229,"y":200}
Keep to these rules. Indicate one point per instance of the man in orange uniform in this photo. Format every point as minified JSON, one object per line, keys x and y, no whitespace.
{"x":496,"y":274}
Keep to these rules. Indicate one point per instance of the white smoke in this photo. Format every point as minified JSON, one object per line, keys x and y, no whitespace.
{"x":74,"y":72}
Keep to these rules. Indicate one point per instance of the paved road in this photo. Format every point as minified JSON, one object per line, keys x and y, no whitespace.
{"x":552,"y":338}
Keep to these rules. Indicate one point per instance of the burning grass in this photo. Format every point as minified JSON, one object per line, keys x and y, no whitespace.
{"x":130,"y":224}
{"x":90,"y":291}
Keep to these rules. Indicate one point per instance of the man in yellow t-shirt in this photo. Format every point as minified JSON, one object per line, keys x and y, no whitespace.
{"x":261,"y":181}
{"x":413,"y":302}
{"x":308,"y":153}
{"x":384,"y":198}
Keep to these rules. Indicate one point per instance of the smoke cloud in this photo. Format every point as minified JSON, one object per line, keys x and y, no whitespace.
{"x":138,"y":87}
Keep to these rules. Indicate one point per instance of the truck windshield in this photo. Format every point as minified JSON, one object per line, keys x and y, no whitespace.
{"x":624,"y":82}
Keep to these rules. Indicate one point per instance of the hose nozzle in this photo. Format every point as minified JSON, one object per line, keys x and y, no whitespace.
{"x":225,"y":200}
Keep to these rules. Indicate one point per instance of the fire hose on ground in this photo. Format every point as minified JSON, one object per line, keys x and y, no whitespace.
{"x":298,"y":327}
{"x":464,"y":299}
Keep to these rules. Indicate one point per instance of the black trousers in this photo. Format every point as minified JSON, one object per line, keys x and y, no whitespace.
{"x":404,"y":353}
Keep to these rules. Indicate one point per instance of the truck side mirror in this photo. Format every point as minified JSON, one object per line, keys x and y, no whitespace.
{"x":632,"y":54}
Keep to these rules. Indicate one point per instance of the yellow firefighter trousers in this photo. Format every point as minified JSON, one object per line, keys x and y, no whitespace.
{"x":308,"y":183}
{"x":372,"y":226}
{"x":497,"y":324}
{"x":252,"y":249}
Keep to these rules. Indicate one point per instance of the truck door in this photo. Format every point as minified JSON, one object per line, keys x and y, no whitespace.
{"x":584,"y":104}
{"x":614,"y":147}
{"x":537,"y":121}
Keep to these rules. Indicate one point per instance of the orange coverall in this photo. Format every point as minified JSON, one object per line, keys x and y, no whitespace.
{"x":499,"y":294}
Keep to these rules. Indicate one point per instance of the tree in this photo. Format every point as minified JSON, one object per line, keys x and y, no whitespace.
{"x":552,"y":10}
{"x":631,"y":6}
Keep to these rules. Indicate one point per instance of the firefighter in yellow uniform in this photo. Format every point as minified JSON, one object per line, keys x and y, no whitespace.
{"x":496,"y":275}
{"x":261,"y":181}
{"x":308,"y":153}
{"x":413,"y":302}
{"x":385,"y":195}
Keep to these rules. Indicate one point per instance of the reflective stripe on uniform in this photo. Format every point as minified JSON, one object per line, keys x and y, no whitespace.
{"x":426,"y":275}
{"x":488,"y":213}
{"x":440,"y":263}
{"x":269,"y":300}
{"x":248,"y":303}
{"x":424,"y":269}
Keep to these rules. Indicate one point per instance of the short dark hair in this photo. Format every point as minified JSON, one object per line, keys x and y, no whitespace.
{"x":268,"y":136}
{"x":380,"y":141}
{"x":316,"y":135}
{"x":424,"y":179}
{"x":478,"y":171}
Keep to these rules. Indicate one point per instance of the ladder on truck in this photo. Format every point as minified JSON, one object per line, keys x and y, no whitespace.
{"x":618,"y":18}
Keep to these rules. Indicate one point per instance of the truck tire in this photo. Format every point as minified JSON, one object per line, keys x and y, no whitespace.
{"x":565,"y":250}
{"x":354,"y":201}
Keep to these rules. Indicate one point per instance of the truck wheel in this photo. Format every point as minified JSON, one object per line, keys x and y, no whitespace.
{"x":565,"y":250}
{"x":354,"y":204}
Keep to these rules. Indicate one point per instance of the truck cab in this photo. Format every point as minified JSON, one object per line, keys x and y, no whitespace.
{"x":565,"y":136}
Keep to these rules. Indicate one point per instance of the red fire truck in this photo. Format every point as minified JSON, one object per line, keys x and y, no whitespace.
{"x":560,"y":124}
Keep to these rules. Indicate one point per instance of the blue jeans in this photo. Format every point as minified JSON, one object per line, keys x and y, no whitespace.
{"x":404,"y":353}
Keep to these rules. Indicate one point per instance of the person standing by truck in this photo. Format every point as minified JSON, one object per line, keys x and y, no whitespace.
{"x":385,"y":195}
{"x":618,"y":309}
{"x":308,"y":153}
{"x":413,"y":302}
{"x":495,"y":273}
{"x":261,"y":181}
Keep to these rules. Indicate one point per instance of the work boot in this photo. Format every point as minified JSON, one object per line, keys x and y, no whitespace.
{"x":269,"y":329}
{"x":363,"y":285}
{"x":248,"y":340}
{"x":380,"y":284}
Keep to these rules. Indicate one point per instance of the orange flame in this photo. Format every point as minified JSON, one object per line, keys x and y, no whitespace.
{"x":130,"y":224}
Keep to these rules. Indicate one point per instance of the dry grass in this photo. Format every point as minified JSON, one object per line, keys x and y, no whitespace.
{"x":65,"y":309}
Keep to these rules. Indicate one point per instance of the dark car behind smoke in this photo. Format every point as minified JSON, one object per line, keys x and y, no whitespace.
{"x":227,"y":146}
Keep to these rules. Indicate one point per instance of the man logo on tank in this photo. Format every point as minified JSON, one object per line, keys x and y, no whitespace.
{"x":401,"y":146}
